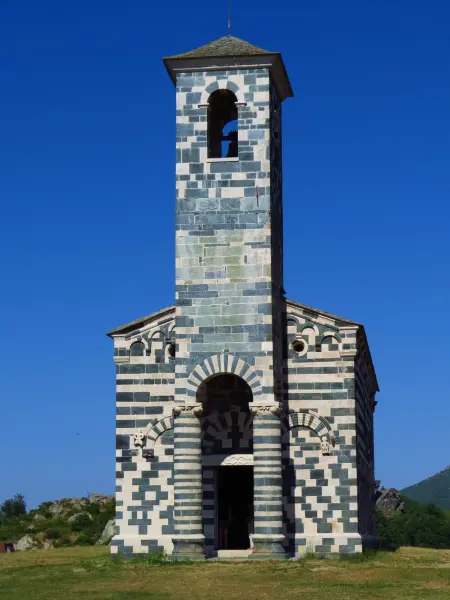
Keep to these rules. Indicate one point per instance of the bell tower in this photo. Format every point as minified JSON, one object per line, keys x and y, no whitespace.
{"x":229,"y":272}
{"x":229,"y":256}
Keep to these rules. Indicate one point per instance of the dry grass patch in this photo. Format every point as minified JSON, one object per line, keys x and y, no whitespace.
{"x":79,"y":573}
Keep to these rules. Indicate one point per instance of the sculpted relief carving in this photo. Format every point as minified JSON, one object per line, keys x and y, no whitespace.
{"x":139,"y":439}
{"x":272,"y":408}
{"x":196,"y":409}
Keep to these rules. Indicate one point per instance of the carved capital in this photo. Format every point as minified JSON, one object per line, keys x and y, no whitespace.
{"x":196,"y":409}
{"x":260,"y":409}
{"x":139,"y":439}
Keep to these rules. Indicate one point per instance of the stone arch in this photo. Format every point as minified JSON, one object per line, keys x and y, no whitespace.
{"x":158,"y":429}
{"x":293,"y":320}
{"x":222,"y":84}
{"x":156,"y":340}
{"x":312,"y":420}
{"x":309,"y":325}
{"x":143,"y":340}
{"x":158,"y":334}
{"x":222,"y":364}
{"x":333,"y":334}
{"x":227,"y":423}
{"x":136,"y":346}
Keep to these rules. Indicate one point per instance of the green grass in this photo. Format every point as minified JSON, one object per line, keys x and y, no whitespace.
{"x":79,"y":573}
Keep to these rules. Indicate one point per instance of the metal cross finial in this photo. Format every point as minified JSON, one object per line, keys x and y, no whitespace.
{"x":229,"y":17}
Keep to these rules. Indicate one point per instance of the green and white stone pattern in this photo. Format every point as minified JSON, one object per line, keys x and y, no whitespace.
{"x":310,"y":427}
{"x":329,"y":499}
{"x":225,"y":286}
{"x":328,"y":393}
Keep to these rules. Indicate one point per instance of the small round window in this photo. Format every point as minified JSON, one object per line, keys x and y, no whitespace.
{"x":298,"y":346}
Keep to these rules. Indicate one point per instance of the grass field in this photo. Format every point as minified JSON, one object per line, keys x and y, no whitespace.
{"x":78,"y":573}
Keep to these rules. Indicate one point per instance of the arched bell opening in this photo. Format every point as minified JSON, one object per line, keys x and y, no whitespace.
{"x":222,"y":125}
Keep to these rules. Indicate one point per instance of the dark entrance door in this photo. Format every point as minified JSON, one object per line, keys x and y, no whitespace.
{"x":235,"y":507}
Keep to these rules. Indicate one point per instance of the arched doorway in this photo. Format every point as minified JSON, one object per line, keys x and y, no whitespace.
{"x":227,"y":445}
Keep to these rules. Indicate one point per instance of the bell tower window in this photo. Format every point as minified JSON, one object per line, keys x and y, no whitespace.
{"x":222,"y":125}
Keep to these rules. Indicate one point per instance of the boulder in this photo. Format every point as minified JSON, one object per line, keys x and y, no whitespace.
{"x":108,"y":532}
{"x":48,"y":544}
{"x":67,"y":506}
{"x":27,"y":542}
{"x":76,"y":516}
{"x":390,"y":501}
{"x":100,"y":499}
{"x":38,"y":517}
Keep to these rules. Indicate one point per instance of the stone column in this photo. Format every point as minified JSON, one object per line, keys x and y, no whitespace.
{"x":268,"y":491}
{"x":188,"y":540}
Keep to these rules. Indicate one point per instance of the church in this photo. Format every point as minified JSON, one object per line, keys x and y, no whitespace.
{"x":244,"y":419}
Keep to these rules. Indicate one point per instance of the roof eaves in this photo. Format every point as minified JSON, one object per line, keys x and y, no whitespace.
{"x":322,"y":312}
{"x":139,"y":322}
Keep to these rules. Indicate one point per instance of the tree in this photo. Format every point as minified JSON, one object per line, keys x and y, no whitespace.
{"x":13,"y":507}
{"x":419,"y":525}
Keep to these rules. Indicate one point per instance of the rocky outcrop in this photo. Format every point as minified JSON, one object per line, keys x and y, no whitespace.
{"x":63,"y":523}
{"x":69,"y":506}
{"x":27,"y":542}
{"x":78,"y":516}
{"x":38,"y":517}
{"x":100,"y":499}
{"x":390,"y":501}
{"x":108,"y":532}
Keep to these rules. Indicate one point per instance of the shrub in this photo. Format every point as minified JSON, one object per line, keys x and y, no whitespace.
{"x":53,"y":534}
{"x":93,"y":509}
{"x":419,"y":525}
{"x":82,"y":521}
{"x":63,"y":541}
{"x":83,"y":540}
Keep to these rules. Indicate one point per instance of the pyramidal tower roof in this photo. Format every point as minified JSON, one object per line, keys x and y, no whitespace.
{"x":224,"y":46}
{"x":229,"y":52}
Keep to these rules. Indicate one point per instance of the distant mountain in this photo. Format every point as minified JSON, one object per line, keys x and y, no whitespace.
{"x":434,"y":490}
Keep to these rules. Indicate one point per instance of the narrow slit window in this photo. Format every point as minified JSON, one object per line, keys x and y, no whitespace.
{"x":222,"y":125}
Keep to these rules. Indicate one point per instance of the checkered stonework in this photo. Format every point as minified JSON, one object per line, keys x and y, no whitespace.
{"x":226,"y":290}
{"x":234,"y":373}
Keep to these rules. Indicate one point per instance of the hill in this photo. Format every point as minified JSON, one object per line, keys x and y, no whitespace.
{"x":433,"y":490}
{"x":66,"y":522}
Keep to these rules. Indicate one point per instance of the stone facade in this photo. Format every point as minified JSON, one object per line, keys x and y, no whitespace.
{"x":234,"y":374}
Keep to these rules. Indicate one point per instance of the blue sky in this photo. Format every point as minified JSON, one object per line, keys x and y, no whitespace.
{"x":87,"y":150}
